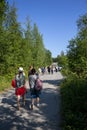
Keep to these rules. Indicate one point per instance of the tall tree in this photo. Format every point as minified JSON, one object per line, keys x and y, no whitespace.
{"x":14,"y":38}
{"x":3,"y":8}
{"x":48,"y":57}
{"x":29,"y":42}
{"x":77,"y":49}
{"x":3,"y":40}
{"x":38,"y":46}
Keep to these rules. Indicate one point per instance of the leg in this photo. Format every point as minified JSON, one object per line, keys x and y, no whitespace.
{"x":37,"y":101}
{"x":32,"y":103}
{"x":37,"y":98}
{"x":18,"y":102}
{"x":23,"y":99}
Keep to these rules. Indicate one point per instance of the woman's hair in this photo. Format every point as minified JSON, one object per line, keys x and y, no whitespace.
{"x":30,"y":67}
{"x":33,"y":71}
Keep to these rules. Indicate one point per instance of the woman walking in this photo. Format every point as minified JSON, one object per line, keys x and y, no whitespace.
{"x":35,"y":94}
{"x":20,"y":89}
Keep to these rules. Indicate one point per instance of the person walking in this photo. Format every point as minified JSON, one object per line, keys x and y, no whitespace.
{"x":20,"y":89}
{"x":35,"y":94}
{"x":29,"y":71}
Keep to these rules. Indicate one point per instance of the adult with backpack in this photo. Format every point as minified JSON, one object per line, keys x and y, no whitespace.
{"x":19,"y":84}
{"x":35,"y":94}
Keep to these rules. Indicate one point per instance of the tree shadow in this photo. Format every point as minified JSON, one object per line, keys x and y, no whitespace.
{"x":53,"y":82}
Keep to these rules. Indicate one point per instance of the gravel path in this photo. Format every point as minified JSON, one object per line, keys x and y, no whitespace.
{"x":46,"y":117}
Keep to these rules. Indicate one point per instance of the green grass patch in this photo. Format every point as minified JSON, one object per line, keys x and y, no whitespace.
{"x":5,"y":82}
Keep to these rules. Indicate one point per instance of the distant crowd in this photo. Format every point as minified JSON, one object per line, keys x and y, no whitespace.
{"x":48,"y":70}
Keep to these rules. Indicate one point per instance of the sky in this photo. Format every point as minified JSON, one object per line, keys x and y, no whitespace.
{"x":56,"y":20}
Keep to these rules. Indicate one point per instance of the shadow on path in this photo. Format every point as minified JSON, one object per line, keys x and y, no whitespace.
{"x":46,"y":117}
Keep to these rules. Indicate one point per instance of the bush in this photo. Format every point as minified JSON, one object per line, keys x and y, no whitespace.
{"x":74,"y":103}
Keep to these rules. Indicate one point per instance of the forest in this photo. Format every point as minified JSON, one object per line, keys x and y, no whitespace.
{"x":19,"y":46}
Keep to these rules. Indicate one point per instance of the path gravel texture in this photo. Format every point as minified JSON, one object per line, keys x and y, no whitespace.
{"x":46,"y":117}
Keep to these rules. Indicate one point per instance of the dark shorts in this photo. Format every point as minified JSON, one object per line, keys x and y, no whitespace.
{"x":35,"y":93}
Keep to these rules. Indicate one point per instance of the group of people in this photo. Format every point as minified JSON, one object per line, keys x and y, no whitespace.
{"x":20,"y":87}
{"x":48,"y":69}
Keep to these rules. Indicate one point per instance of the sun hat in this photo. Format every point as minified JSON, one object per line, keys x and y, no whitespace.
{"x":20,"y":69}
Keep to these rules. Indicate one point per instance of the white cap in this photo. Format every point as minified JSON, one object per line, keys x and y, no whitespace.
{"x":20,"y":69}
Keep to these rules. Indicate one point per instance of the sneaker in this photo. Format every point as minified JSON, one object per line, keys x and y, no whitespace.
{"x":31,"y":106}
{"x":38,"y":104}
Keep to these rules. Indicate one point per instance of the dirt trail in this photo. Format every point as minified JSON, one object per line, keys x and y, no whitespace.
{"x":46,"y":117}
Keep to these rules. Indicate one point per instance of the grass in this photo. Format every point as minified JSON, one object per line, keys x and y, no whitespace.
{"x":5,"y":83}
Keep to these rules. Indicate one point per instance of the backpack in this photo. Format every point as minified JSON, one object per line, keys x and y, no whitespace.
{"x":13,"y":83}
{"x":39,"y":84}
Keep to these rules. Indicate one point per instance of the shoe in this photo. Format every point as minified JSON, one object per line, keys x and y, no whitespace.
{"x":38,"y":104}
{"x":31,"y":106}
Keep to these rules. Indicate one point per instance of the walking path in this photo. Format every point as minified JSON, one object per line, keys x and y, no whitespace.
{"x":46,"y":117}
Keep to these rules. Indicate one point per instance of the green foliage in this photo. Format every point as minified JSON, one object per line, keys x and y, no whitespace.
{"x":74,"y":103}
{"x":77,"y":50}
{"x":38,"y":48}
{"x":74,"y":87}
{"x":54,"y":59}
{"x":48,"y":57}
{"x":3,"y":8}
{"x":62,"y":60}
{"x":5,"y":82}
